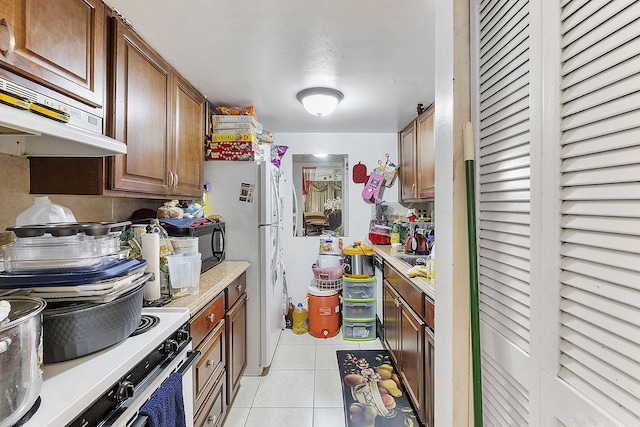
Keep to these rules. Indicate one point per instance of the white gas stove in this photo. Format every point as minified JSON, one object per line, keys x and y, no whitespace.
{"x":94,"y":382}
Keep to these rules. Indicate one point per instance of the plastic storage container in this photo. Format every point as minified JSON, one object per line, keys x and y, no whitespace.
{"x":359,"y":309}
{"x":184,"y":273}
{"x":359,"y":330}
{"x":359,"y":288}
{"x":300,"y":320}
{"x":324,"y":312}
{"x":44,"y":211}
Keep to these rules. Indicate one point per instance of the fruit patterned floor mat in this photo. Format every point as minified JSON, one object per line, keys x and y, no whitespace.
{"x":373,"y":394}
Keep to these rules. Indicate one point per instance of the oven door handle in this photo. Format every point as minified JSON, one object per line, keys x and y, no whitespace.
{"x":140,"y":421}
{"x":192,"y":356}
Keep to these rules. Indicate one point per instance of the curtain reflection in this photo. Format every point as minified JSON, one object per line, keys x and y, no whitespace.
{"x":323,"y":207}
{"x":321,"y":194}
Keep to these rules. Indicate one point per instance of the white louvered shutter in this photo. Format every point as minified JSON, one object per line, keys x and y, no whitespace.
{"x":599,"y":336}
{"x":503,"y":167}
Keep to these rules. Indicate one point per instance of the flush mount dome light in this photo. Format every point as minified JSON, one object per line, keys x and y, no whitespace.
{"x":319,"y":101}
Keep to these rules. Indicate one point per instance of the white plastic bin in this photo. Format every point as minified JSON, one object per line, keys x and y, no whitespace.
{"x":184,"y":273}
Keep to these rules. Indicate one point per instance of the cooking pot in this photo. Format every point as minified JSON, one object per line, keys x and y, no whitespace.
{"x":358,"y":261}
{"x":20,"y":344}
{"x":73,"y":330}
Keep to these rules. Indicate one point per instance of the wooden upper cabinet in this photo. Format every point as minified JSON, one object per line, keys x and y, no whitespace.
{"x":416,"y":146}
{"x":187,"y":164}
{"x":142,"y":90}
{"x":407,"y":173}
{"x":58,"y":44}
{"x":426,"y":155}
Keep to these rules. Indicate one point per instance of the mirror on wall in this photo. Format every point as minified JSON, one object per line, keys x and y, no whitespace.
{"x":320,"y":194}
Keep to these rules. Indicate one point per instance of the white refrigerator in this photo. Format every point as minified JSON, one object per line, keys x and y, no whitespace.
{"x":246,"y":194}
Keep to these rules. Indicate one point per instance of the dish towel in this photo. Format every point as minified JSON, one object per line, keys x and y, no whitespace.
{"x":165,"y":408}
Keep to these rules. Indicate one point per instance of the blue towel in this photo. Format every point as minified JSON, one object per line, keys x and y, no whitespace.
{"x":165,"y":408}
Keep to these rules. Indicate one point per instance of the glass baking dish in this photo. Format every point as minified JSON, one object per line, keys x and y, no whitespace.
{"x":65,"y":253}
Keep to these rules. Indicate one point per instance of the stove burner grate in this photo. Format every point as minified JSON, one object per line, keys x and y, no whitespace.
{"x":146,"y":322}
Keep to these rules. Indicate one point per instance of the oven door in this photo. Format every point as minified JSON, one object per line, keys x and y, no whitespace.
{"x":183,"y":363}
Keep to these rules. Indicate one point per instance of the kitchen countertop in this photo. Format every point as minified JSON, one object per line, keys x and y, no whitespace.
{"x":212,"y":282}
{"x":389,"y":256}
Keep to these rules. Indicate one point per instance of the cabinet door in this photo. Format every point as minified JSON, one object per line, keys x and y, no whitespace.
{"x":425,"y":152}
{"x":407,"y":171}
{"x":188,"y":149}
{"x":142,"y":117}
{"x":412,"y":363}
{"x":59,"y":44}
{"x":429,"y":373}
{"x":391,"y":321}
{"x":236,"y":346}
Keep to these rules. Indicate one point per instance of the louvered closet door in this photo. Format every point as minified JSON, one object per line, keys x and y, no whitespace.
{"x":599,"y":339}
{"x":503,"y":165}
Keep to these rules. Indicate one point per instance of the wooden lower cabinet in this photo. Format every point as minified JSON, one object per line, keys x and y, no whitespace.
{"x":412,"y":355}
{"x":236,"y":321}
{"x":208,"y":331}
{"x":391,"y":321}
{"x":218,"y":331}
{"x":429,"y":375}
{"x":410,"y":340}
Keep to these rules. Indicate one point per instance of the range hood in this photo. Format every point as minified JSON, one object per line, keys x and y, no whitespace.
{"x":23,"y":133}
{"x":26,"y":134}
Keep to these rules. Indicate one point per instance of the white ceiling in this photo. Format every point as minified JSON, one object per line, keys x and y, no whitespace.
{"x":378,"y":53}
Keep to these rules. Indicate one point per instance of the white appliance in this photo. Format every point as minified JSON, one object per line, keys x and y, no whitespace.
{"x":246,"y":194}
{"x":109,"y":387}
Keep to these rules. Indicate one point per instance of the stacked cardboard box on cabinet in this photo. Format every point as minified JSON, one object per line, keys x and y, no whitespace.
{"x":234,"y":138}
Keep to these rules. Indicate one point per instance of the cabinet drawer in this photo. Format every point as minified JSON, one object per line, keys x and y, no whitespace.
{"x":206,"y":319}
{"x":212,"y":413}
{"x":361,"y":309}
{"x":403,"y":286}
{"x":429,"y":313}
{"x":211,"y":363}
{"x":235,"y":289}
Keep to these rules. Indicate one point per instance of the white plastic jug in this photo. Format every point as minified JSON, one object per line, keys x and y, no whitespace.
{"x":44,"y":212}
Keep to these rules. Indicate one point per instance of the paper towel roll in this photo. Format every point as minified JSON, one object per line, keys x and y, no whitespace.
{"x":151,"y":252}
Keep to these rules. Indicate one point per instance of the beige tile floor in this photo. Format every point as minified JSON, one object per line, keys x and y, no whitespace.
{"x":302,"y":388}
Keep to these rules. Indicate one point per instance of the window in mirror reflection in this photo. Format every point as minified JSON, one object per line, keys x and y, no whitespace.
{"x":319,"y":192}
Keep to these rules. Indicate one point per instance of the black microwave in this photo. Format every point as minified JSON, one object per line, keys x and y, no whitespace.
{"x":210,"y":241}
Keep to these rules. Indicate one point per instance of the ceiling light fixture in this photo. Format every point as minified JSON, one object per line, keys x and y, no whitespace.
{"x":319,"y":101}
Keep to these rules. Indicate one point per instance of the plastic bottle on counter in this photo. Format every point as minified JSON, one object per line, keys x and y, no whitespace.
{"x":300,"y":320}
{"x":44,"y":211}
{"x":395,"y":234}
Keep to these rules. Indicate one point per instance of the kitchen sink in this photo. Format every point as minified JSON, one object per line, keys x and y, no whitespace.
{"x":413,"y":259}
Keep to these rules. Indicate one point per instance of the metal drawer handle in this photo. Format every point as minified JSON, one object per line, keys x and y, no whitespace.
{"x":239,"y":288}
{"x":396,"y":302}
{"x":211,"y":317}
{"x":176,"y":183}
{"x":210,"y":362}
{"x":12,"y":39}
{"x":212,"y":419}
